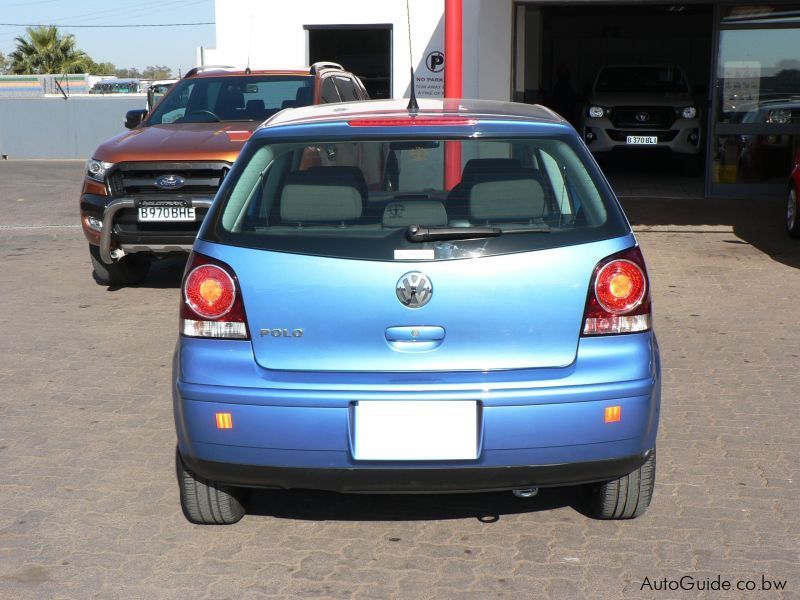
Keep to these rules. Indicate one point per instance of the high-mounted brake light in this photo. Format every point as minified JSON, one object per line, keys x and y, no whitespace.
{"x":619,"y":296}
{"x":412,"y":121}
{"x":212,"y":304}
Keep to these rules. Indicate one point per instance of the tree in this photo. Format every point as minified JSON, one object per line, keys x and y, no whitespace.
{"x":157,"y":72}
{"x":46,"y":50}
{"x":129,"y":73}
{"x":105,"y":68}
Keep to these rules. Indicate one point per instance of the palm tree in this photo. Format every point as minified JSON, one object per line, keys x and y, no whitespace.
{"x":45,"y":50}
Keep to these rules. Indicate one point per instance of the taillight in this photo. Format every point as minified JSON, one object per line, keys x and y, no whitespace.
{"x":619,"y":296}
{"x":211,"y":305}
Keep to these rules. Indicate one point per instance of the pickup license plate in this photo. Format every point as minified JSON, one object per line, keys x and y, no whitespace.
{"x":641,"y":140}
{"x":415,"y":430}
{"x":166,"y":213}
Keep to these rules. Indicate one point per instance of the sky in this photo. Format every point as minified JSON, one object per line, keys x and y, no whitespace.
{"x":136,"y":47}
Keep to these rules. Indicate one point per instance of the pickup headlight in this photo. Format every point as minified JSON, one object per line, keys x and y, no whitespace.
{"x":690,"y":112}
{"x":597,"y":112}
{"x":97,"y":169}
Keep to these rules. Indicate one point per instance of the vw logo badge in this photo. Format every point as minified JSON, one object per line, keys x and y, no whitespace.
{"x":642,"y":117}
{"x":170,"y":182}
{"x":414,"y":289}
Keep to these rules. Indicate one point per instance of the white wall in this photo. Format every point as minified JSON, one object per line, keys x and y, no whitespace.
{"x":488,"y":36}
{"x":276,"y":38}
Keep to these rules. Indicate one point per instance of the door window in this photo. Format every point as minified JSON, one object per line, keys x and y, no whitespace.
{"x":329,"y":93}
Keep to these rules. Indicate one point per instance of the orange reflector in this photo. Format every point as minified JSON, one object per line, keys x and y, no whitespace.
{"x":225,"y":421}
{"x":238,"y":136}
{"x":613,"y":414}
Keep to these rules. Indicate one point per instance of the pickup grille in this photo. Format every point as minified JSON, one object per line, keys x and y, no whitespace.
{"x":200,"y":178}
{"x":650,"y":117}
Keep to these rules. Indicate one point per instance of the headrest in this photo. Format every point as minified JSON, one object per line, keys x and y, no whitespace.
{"x":230,"y":99}
{"x":517,"y":198}
{"x":255,"y":106}
{"x":352,"y":176}
{"x":429,"y":213}
{"x":309,"y":196}
{"x":488,"y":166}
{"x":304,"y":96}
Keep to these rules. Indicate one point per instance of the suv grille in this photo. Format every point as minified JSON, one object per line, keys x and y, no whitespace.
{"x":644,"y":117}
{"x":201,"y":178}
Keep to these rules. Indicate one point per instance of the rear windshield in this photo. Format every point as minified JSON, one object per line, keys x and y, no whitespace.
{"x":642,"y":79}
{"x":365,"y":199}
{"x":247,"y":98}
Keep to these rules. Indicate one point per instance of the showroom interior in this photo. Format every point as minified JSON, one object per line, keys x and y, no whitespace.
{"x":740,"y":59}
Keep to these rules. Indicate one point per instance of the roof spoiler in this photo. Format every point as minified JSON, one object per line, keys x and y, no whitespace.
{"x":317,"y":66}
{"x":196,"y":70}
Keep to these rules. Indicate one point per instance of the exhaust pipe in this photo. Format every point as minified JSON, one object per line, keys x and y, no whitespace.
{"x":525,"y":492}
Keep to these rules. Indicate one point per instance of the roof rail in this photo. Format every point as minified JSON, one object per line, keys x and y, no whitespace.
{"x":196,"y":70}
{"x":325,"y":65}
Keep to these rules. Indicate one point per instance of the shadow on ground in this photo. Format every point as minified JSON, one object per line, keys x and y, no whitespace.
{"x":661,"y":190}
{"x":311,"y":505}
{"x":755,"y":221}
{"x":164,"y":274}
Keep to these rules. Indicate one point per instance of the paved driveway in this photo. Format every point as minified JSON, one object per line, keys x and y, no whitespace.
{"x":90,"y":505}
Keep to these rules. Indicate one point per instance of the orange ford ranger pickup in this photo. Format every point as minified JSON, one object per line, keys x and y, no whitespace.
{"x":146,"y":191}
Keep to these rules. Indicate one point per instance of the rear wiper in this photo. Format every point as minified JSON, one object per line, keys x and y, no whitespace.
{"x":417,"y":233}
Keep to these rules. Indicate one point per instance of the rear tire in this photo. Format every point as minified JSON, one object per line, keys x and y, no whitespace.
{"x":207,"y":502}
{"x":129,"y":270}
{"x":792,"y":214}
{"x":627,"y":497}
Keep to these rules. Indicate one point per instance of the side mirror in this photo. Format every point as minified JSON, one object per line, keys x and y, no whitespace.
{"x":133,"y":118}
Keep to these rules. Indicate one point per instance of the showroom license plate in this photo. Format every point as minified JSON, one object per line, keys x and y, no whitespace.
{"x":166,"y":213}
{"x":642,"y":140}
{"x":416,"y":430}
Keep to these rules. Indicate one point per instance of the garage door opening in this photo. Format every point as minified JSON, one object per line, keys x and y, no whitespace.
{"x":567,"y":46}
{"x":364,"y":50}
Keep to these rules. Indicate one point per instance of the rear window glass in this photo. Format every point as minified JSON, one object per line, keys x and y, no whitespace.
{"x":213,"y":99}
{"x":363,"y":199}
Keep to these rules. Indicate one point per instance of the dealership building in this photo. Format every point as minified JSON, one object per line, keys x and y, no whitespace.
{"x":741,"y":60}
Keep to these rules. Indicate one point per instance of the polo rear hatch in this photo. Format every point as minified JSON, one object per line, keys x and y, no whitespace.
{"x":504,"y":312}
{"x":368,"y":264}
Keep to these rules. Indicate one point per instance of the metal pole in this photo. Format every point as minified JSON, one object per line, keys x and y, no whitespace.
{"x":453,"y":72}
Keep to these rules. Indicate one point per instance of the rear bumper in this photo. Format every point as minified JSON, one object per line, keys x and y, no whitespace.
{"x":417,"y":480}
{"x":537,"y":428}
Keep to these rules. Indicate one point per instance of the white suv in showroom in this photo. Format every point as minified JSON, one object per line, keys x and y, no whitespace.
{"x":641,"y":106}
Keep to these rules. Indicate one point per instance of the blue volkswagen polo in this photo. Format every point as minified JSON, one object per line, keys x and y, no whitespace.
{"x":447,"y":299}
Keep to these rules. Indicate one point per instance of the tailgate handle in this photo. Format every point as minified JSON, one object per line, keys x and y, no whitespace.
{"x":414,"y":334}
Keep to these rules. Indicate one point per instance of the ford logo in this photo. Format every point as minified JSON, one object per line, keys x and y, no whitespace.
{"x":170,"y":182}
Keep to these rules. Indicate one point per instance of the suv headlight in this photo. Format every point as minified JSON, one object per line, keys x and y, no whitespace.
{"x":689,"y":112}
{"x":97,"y":169}
{"x":597,"y":112}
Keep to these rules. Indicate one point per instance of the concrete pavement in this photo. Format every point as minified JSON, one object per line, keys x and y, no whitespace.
{"x":90,"y":504}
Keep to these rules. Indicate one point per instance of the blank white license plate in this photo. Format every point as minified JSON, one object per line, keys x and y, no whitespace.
{"x":166,"y":213}
{"x":416,"y":430}
{"x":640,"y":140}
